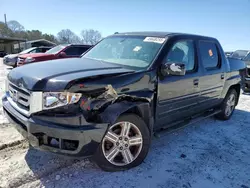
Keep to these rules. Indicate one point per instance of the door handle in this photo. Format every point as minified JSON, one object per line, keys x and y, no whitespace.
{"x":196,"y":82}
{"x":222,"y":76}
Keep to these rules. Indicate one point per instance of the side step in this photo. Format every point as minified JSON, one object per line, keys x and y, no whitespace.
{"x":183,"y":123}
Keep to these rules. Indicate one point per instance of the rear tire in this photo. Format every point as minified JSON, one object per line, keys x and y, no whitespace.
{"x":228,"y":105}
{"x":125,"y":144}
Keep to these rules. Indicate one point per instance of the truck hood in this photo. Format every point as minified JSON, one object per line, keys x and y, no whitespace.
{"x":55,"y":75}
{"x":36,"y":55}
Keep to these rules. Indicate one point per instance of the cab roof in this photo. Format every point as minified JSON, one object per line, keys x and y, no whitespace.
{"x":161,"y":34}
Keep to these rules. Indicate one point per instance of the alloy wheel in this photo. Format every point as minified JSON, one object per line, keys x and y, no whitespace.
{"x":230,"y":105}
{"x":122,"y":143}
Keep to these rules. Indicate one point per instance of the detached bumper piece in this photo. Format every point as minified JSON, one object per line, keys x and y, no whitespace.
{"x":57,"y":134}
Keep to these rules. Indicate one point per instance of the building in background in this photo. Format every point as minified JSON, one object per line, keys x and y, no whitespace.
{"x":33,"y":43}
{"x":7,"y":44}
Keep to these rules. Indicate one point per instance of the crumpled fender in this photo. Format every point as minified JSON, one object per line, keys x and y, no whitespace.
{"x":112,"y":112}
{"x":108,"y":106}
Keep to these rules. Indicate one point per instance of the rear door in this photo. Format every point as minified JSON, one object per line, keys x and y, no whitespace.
{"x":212,"y":81}
{"x":178,"y":96}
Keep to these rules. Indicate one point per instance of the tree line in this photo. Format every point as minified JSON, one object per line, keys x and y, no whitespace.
{"x":14,"y":29}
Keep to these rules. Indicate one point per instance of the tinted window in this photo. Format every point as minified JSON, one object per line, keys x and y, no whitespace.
{"x":38,"y":50}
{"x":75,"y":51}
{"x":43,"y":50}
{"x":182,"y":52}
{"x":209,"y":54}
{"x":83,"y":49}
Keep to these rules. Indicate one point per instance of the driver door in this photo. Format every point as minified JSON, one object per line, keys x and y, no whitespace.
{"x":178,"y":96}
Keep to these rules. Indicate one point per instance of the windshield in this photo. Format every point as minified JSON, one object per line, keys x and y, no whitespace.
{"x":136,"y":52}
{"x":27,"y":51}
{"x":247,"y":59}
{"x":55,"y":50}
{"x":239,"y":54}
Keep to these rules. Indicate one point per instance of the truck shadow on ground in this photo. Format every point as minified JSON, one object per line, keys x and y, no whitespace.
{"x":173,"y":158}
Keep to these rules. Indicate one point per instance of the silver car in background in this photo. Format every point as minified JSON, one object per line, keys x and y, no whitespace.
{"x":11,"y":59}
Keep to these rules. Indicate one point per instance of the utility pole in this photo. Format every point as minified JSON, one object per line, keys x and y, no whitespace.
{"x":5,"y":20}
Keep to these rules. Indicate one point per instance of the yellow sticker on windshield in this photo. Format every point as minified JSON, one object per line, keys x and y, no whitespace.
{"x":137,"y":48}
{"x":154,"y":39}
{"x":210,"y":52}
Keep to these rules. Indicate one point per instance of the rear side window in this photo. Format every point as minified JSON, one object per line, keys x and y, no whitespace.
{"x":43,"y":50}
{"x":38,"y":50}
{"x":82,"y":50}
{"x":209,"y":54}
{"x":74,"y":51}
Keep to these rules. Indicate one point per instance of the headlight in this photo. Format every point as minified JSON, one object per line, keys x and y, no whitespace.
{"x":57,"y":99}
{"x":29,"y":60}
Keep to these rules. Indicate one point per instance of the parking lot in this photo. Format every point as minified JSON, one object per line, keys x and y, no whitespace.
{"x":210,"y":153}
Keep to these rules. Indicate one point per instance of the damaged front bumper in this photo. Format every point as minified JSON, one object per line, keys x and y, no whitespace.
{"x":57,"y":134}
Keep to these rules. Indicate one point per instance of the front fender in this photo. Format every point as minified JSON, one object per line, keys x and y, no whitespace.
{"x":142,"y":109}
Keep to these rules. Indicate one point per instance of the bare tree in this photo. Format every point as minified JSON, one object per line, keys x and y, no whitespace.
{"x":90,"y":36}
{"x":50,"y":37}
{"x":15,"y":26}
{"x":67,"y":36}
{"x":5,"y":31}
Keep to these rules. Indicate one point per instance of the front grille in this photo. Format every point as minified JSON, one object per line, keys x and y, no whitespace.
{"x":20,"y":97}
{"x":20,"y":60}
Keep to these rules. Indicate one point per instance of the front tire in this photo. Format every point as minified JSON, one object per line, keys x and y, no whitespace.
{"x":125,"y":144}
{"x":228,"y":105}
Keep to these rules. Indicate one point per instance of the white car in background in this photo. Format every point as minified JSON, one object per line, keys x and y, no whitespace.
{"x":11,"y":59}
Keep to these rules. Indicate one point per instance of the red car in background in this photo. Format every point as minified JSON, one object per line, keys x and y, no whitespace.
{"x":58,"y":52}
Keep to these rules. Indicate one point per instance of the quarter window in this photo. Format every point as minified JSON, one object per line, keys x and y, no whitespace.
{"x":209,"y":54}
{"x":72,"y":51}
{"x":75,"y":51}
{"x":182,"y":52}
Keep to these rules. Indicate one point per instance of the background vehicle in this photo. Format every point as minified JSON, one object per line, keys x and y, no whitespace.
{"x":246,"y":85}
{"x":2,"y":53}
{"x":239,"y":54}
{"x":11,"y":59}
{"x":228,"y":54}
{"x":110,"y":101}
{"x":58,"y":52}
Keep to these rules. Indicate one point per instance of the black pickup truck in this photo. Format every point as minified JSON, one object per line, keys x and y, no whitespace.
{"x":111,"y":101}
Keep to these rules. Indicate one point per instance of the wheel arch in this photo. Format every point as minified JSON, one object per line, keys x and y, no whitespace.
{"x":237,"y":88}
{"x":142,"y":109}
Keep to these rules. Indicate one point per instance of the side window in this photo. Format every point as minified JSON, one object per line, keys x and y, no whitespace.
{"x":182,"y":52}
{"x":209,"y":54}
{"x":38,"y":50}
{"x":72,"y":51}
{"x":43,"y":50}
{"x":82,"y":50}
{"x":32,"y":51}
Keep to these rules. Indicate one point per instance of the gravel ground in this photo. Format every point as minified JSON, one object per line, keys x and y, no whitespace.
{"x":207,"y":154}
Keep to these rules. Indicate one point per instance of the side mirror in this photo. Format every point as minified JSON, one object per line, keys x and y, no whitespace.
{"x":173,"y":68}
{"x":62,"y":54}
